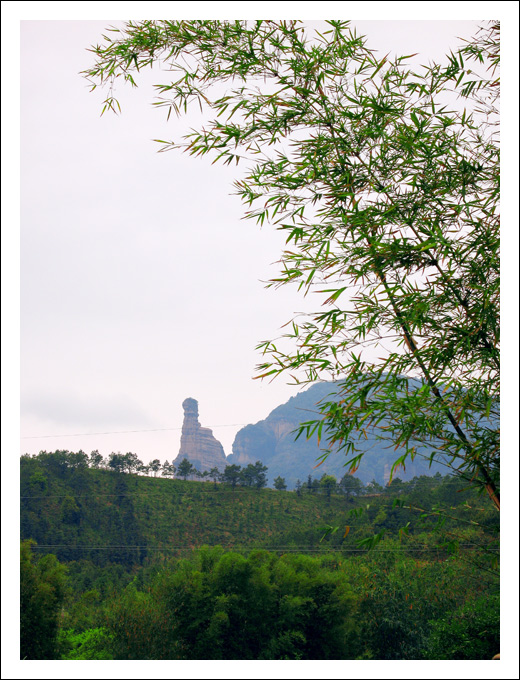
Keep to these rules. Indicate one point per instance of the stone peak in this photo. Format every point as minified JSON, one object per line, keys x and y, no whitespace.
{"x":198,"y":444}
{"x":191,"y":407}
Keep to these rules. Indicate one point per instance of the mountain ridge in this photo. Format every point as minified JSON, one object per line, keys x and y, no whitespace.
{"x":273,"y":442}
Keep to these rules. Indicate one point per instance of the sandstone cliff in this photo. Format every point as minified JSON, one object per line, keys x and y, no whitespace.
{"x":272,"y":441}
{"x":198,"y":444}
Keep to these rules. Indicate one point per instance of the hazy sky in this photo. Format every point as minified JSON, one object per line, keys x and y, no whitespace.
{"x":140,"y":283}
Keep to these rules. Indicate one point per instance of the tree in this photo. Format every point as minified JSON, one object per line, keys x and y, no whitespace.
{"x":328,"y":482}
{"x":231,"y":475}
{"x":279,"y":483}
{"x":374,"y":488}
{"x":117,"y":462}
{"x":259,"y":476}
{"x":57,"y":461}
{"x":144,"y":469}
{"x":70,"y":512}
{"x":472,"y":632}
{"x":42,"y":585}
{"x":96,"y":459}
{"x":388,"y":196}
{"x":351,"y":485}
{"x":185,"y":468}
{"x":132,"y":462}
{"x":78,"y":461}
{"x":155,"y":466}
{"x":215,"y":475}
{"x":395,"y":487}
{"x":168,"y":470}
{"x":247,"y":475}
{"x":254,"y":475}
{"x":89,"y":645}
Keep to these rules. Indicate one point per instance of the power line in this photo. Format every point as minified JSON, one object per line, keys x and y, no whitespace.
{"x":318,"y":529}
{"x":342,"y":519}
{"x":324,"y":548}
{"x":185,"y":493}
{"x":172,"y":429}
{"x":90,"y":434}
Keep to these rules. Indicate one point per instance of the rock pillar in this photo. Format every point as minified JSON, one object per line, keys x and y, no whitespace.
{"x":198,"y":444}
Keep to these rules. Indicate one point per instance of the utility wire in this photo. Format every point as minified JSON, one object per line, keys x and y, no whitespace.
{"x":187,"y":493}
{"x":171,"y":429}
{"x":168,"y":429}
{"x":325,"y":548}
{"x":89,"y":434}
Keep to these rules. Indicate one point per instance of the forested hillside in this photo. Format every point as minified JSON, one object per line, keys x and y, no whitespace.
{"x":138,"y":583}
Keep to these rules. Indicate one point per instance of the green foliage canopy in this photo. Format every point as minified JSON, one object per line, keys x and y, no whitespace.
{"x":471,"y":632}
{"x":42,"y":585}
{"x":227,"y":606}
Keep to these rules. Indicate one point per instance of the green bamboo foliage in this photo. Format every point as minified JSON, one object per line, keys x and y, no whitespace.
{"x":386,"y":184}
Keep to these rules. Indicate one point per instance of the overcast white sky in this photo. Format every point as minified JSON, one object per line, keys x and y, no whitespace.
{"x":140,"y":283}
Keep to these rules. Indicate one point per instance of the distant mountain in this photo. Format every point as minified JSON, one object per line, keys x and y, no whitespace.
{"x":272,"y":441}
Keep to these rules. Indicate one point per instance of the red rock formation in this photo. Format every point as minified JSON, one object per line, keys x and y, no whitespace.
{"x":198,"y":444}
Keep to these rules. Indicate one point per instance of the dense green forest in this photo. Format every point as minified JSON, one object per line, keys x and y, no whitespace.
{"x":119,"y":566}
